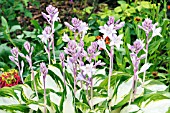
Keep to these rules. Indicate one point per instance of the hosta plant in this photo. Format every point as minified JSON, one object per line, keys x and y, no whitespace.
{"x":81,"y":82}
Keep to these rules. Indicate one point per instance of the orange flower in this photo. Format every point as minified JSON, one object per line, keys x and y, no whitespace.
{"x":168,"y":7}
{"x":98,"y":37}
{"x":107,"y":40}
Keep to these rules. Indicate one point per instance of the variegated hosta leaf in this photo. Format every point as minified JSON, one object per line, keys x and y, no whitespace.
{"x":83,"y":107}
{"x":129,"y":109}
{"x":68,"y":106}
{"x":159,"y":106}
{"x":96,"y":100}
{"x":28,"y":92}
{"x":50,"y":83}
{"x":97,"y":80}
{"x":35,"y":107}
{"x":122,"y":91}
{"x":56,"y":71}
{"x":8,"y":101}
{"x":155,"y":85}
{"x":55,"y":98}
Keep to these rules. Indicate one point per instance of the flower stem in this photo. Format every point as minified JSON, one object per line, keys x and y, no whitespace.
{"x":91,"y":93}
{"x":87,"y":93}
{"x":45,"y":102}
{"x":19,"y":68}
{"x":53,"y":51}
{"x":49,"y":54}
{"x":134,"y":84}
{"x":147,"y":44}
{"x":64,"y":76}
{"x":111,"y":68}
{"x":33,"y":78}
{"x":75,"y":75}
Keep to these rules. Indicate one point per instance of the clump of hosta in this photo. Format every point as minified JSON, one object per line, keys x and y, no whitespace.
{"x":137,"y":46}
{"x":10,"y":78}
{"x":149,"y":27}
{"x":77,"y":55}
{"x":47,"y":36}
{"x":109,"y":31}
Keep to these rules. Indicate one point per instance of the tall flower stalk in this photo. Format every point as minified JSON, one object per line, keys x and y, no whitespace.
{"x":109,"y":31}
{"x":62,"y":58}
{"x":77,"y":56}
{"x":48,"y":36}
{"x":14,"y":58}
{"x":137,"y":46}
{"x":28,"y":57}
{"x":44,"y":71}
{"x":74,"y":49}
{"x":148,"y":27}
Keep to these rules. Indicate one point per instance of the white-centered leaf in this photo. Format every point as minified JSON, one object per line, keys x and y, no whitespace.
{"x":96,"y":100}
{"x":122,"y":91}
{"x":18,"y":93}
{"x":68,"y":106}
{"x":160,"y":106}
{"x":144,"y":68}
{"x":8,"y":101}
{"x":56,"y":71}
{"x":154,"y":85}
{"x":55,"y":98}
{"x":130,"y":108}
{"x":27,"y":91}
{"x":33,"y":107}
{"x":50,"y":83}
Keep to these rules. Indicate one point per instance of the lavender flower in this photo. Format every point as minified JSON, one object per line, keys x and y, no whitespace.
{"x":76,"y":22}
{"x":15,"y":51}
{"x":28,"y":57}
{"x":77,"y":25}
{"x":14,"y":58}
{"x":88,"y":69}
{"x":116,"y":40}
{"x":92,"y":51}
{"x":148,"y":27}
{"x":109,"y":30}
{"x":47,"y":39}
{"x":52,"y":14}
{"x":111,"y":20}
{"x":138,"y":45}
{"x":27,"y":46}
{"x":46,"y":35}
{"x":62,"y":58}
{"x":65,"y":38}
{"x":44,"y":71}
{"x":72,"y":45}
{"x":48,"y":32}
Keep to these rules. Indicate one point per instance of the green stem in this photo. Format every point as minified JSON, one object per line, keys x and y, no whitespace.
{"x":110,"y":69}
{"x":91,"y":93}
{"x":45,"y":101}
{"x":147,"y":44}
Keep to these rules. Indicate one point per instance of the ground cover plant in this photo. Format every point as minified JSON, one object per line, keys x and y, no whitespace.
{"x":109,"y":64}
